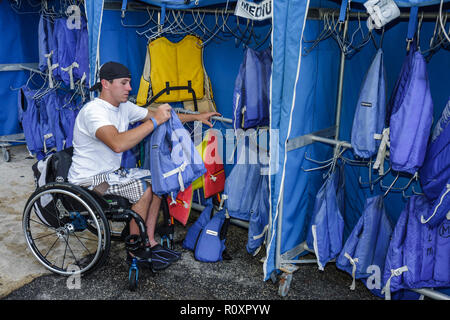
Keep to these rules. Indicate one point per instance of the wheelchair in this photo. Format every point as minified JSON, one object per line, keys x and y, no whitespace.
{"x":69,"y":228}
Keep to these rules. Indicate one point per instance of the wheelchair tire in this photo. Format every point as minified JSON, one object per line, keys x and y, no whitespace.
{"x":65,"y":244}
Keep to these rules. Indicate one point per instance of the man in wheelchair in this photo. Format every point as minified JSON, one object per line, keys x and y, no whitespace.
{"x":100,"y":137}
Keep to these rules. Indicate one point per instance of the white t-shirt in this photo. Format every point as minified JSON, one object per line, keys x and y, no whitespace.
{"x":90,"y":155}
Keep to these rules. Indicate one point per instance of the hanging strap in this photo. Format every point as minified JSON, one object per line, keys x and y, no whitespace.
{"x":412,"y":25}
{"x":381,"y":155}
{"x":394,"y":273}
{"x":353,"y":263}
{"x":178,"y":171}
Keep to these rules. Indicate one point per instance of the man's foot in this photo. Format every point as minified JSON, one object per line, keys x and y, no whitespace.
{"x":146,"y":257}
{"x":159,"y":252}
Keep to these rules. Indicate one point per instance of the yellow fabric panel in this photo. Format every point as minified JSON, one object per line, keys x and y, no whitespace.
{"x":142,"y":95}
{"x":199,"y":182}
{"x":176,"y":63}
{"x":144,"y":84}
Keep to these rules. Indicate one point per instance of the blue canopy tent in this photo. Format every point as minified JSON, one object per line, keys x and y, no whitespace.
{"x":306,"y":91}
{"x":314,"y":90}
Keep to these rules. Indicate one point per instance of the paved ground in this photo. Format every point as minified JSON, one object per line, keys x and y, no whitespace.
{"x":238,"y":279}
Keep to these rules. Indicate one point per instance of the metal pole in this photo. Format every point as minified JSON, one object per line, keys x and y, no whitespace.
{"x":340,"y":84}
{"x":433,"y":294}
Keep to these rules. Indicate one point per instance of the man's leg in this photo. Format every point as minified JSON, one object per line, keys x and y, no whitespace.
{"x":152,"y":218}
{"x":142,"y":208}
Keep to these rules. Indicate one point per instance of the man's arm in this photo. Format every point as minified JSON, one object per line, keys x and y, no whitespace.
{"x":185,"y":117}
{"x":123,"y":141}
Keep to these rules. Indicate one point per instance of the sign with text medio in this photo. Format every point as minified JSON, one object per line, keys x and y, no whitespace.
{"x":252,"y":10}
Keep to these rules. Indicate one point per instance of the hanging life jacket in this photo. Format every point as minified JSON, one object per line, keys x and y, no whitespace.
{"x":367,"y":245}
{"x":180,"y":207}
{"x":241,"y":187}
{"x":325,"y":233}
{"x":259,"y":217}
{"x":370,"y":112}
{"x":439,"y":209}
{"x":435,"y":172}
{"x":251,"y":97}
{"x":174,"y":161}
{"x":45,"y":32}
{"x":213,"y":181}
{"x":172,"y":71}
{"x":28,"y":114}
{"x":206,"y":237}
{"x":411,"y":115}
{"x":418,"y":255}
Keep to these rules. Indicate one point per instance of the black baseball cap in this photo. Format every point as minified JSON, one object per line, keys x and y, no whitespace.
{"x":110,"y":71}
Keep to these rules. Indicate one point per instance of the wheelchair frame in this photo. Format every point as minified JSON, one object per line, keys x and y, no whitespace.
{"x":80,"y":218}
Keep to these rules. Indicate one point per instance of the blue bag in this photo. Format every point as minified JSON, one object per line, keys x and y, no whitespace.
{"x":174,"y":161}
{"x":411,"y":115}
{"x":325,"y":233}
{"x":367,"y":245}
{"x":435,"y":172}
{"x":370,"y":110}
{"x":251,"y":97}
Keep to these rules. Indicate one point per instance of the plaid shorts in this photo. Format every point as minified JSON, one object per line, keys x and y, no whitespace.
{"x":127,"y":183}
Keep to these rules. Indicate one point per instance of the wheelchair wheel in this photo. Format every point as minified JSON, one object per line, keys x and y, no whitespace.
{"x":57,"y":223}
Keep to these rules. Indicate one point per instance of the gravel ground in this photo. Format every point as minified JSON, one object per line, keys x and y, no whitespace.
{"x":187,"y":279}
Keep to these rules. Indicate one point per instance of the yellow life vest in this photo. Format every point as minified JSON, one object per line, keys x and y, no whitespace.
{"x":172,"y":71}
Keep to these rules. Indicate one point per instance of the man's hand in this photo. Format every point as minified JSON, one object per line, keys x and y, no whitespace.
{"x":163,"y":113}
{"x":205,"y":117}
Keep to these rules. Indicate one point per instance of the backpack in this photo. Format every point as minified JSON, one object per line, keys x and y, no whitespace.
{"x":53,"y":168}
{"x":206,"y":237}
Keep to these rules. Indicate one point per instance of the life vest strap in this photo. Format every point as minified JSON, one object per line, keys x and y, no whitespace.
{"x":353,"y":262}
{"x":394,"y":273}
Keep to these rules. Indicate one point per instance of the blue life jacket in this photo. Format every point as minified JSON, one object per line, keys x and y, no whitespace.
{"x":435,"y":172}
{"x":131,"y":157}
{"x":367,"y":245}
{"x":45,"y":32}
{"x":325,"y":233}
{"x":174,"y":161}
{"x":190,"y":240}
{"x":241,"y":188}
{"x":67,"y":117}
{"x":259,"y":217}
{"x":411,"y":115}
{"x":29,"y":117}
{"x":370,"y":112}
{"x":82,"y":52}
{"x":206,"y":237}
{"x":418,"y":255}
{"x":439,"y":208}
{"x":251,"y":97}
